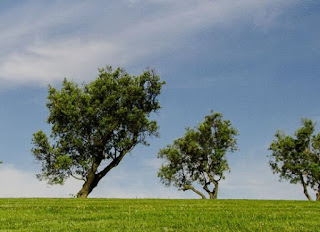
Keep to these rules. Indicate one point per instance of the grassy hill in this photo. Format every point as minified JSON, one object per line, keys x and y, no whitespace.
{"x":157,"y":215}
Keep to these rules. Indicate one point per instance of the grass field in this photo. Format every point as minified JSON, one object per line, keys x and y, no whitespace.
{"x":157,"y":215}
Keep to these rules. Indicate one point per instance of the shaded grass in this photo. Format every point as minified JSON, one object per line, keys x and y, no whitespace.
{"x":157,"y":215}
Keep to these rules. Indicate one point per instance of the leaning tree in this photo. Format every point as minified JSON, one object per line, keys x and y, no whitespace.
{"x":297,"y":159}
{"x":199,"y":156}
{"x":95,"y":125}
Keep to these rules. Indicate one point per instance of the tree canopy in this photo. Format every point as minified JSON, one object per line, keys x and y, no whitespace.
{"x":95,"y":125}
{"x":297,"y":159}
{"x":199,"y":156}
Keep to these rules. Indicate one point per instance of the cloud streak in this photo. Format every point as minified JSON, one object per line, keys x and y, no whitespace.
{"x":34,"y":53}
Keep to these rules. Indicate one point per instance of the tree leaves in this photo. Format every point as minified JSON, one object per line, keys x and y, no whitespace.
{"x":200,"y":155}
{"x":100,"y":120}
{"x":297,"y":159}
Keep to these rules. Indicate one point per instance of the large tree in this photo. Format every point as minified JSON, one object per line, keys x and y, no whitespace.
{"x":95,"y":125}
{"x":297,"y":159}
{"x":199,"y":156}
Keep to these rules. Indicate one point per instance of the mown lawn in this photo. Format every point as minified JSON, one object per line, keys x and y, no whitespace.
{"x":157,"y":215}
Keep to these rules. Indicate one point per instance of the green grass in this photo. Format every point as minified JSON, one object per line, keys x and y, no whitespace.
{"x":157,"y":215}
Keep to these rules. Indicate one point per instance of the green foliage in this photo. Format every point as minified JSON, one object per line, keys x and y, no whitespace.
{"x":157,"y":215}
{"x":200,"y":155}
{"x":96,"y":124}
{"x":298,"y":159}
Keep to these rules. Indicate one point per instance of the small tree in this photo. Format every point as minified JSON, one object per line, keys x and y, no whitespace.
{"x":298,"y":159}
{"x":96,"y":125}
{"x":199,"y":156}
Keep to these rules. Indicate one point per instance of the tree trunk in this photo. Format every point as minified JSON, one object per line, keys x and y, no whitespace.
{"x":85,"y":190}
{"x":190,"y":187}
{"x":91,"y":181}
{"x":305,"y":190}
{"x":211,"y":194}
{"x":87,"y":187}
{"x":318,"y":193}
{"x":94,"y":178}
{"x":215,"y":191}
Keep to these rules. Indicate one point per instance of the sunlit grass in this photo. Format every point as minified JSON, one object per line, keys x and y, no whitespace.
{"x":157,"y":215}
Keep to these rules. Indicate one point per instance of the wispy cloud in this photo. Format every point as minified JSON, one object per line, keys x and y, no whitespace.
{"x":45,"y":45}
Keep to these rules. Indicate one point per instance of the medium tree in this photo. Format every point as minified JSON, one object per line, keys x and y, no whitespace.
{"x":199,"y":156}
{"x":298,"y":159}
{"x":94,"y":126}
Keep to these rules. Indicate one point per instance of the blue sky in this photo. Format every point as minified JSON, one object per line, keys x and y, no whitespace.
{"x":257,"y":62}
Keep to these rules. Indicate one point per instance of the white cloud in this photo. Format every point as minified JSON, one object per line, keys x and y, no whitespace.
{"x":46,"y":64}
{"x":19,"y":183}
{"x":33,"y":56}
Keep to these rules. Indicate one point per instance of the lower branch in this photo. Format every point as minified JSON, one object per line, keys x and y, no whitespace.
{"x":190,"y":187}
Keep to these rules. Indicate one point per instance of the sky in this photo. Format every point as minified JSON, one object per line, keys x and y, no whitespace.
{"x":255,"y":61}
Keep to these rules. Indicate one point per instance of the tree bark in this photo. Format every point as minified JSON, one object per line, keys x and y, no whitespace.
{"x":190,"y":187}
{"x":211,"y":195}
{"x":89,"y":184}
{"x":214,"y":193}
{"x":318,"y":193}
{"x":216,"y":188}
{"x":305,"y":190}
{"x":94,"y":178}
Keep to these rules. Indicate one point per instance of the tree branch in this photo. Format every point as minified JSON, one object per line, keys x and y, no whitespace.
{"x":211,"y":178}
{"x":190,"y":187}
{"x":77,"y":178}
{"x":113,"y":164}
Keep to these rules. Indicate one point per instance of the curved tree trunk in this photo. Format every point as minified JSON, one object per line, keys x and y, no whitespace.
{"x":85,"y":191}
{"x":205,"y":187}
{"x":305,"y":190}
{"x":214,"y":193}
{"x":87,"y":187}
{"x":190,"y":187}
{"x":93,"y":177}
{"x":91,"y":181}
{"x":318,"y":193}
